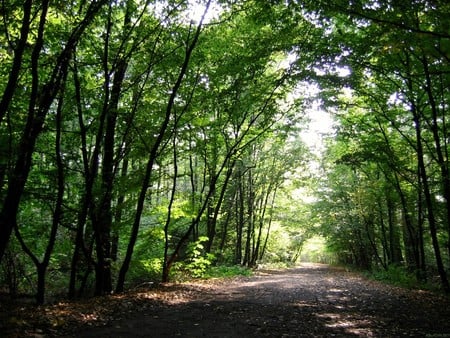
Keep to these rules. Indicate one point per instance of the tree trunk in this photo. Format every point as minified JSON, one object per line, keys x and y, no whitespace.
{"x":213,"y":214}
{"x":272,"y":203}
{"x":394,"y":237}
{"x":35,"y":121}
{"x":86,"y":197}
{"x":153,"y":155}
{"x":240,"y":220}
{"x":14,"y":73}
{"x":442,"y":156}
{"x":166,"y":267}
{"x":429,"y":204}
{"x":250,"y":202}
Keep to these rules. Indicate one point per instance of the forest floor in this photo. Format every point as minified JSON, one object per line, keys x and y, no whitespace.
{"x":309,"y":301}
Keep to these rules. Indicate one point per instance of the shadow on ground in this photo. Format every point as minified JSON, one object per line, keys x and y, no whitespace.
{"x":310,"y":301}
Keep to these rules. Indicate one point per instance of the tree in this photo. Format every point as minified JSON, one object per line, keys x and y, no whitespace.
{"x":396,"y":81}
{"x":45,"y":84}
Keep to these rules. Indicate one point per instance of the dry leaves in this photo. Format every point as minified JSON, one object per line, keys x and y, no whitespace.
{"x":309,"y":301}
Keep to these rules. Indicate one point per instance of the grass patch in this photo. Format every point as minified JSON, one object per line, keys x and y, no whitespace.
{"x":223,"y":271}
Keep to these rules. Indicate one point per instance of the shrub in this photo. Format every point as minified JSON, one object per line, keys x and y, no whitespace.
{"x":198,"y":261}
{"x":396,"y":275}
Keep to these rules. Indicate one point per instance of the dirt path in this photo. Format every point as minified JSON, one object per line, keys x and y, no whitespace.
{"x":309,"y":301}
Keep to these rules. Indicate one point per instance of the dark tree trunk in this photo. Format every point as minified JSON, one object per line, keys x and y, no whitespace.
{"x":429,"y":204}
{"x":441,"y":152}
{"x":369,"y":226}
{"x":250,"y":201}
{"x":104,"y":217}
{"x":263,"y":205}
{"x":394,"y":236}
{"x":86,"y":198}
{"x":14,"y":73}
{"x":240,"y":220}
{"x":118,"y":215}
{"x":41,"y":267}
{"x":166,"y":267}
{"x":217,"y":209}
{"x":384,"y":240}
{"x":266,"y":239}
{"x":226,"y":221}
{"x":35,"y":121}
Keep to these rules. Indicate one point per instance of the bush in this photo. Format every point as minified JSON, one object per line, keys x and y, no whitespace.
{"x":198,"y":261}
{"x":396,"y":275}
{"x":145,"y":270}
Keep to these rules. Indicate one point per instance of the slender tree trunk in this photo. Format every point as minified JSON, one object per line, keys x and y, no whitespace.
{"x":409,"y":237}
{"x":440,"y":152}
{"x":166,"y":267}
{"x":35,"y":121}
{"x":425,"y":185}
{"x":226,"y":222}
{"x":86,"y":198}
{"x":250,"y":202}
{"x":196,"y":220}
{"x":153,"y":155}
{"x":118,"y":215}
{"x":409,"y":230}
{"x":218,"y":207}
{"x":394,"y":237}
{"x":422,"y":269}
{"x":269,"y":225}
{"x":19,"y":50}
{"x":188,"y":233}
{"x":384,"y":240}
{"x":261,"y":219}
{"x":104,"y":216}
{"x":429,"y":203}
{"x":240,"y":220}
{"x":33,"y":127}
{"x":369,"y":225}
{"x":41,"y":267}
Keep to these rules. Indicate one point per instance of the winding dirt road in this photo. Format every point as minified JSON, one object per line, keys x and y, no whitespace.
{"x":310,"y":301}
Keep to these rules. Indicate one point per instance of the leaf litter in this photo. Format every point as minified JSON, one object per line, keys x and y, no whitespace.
{"x":312,"y":300}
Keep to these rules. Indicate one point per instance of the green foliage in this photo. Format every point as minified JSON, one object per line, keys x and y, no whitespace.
{"x":144,"y":270}
{"x":226,"y":271}
{"x":13,"y":271}
{"x":147,"y":262}
{"x":197,"y":260}
{"x":230,"y":153}
{"x":316,"y":251}
{"x":278,"y":247}
{"x":396,"y":275}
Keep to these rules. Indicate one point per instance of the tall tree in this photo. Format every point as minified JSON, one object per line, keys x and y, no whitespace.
{"x":393,"y":73}
{"x":44,"y":88}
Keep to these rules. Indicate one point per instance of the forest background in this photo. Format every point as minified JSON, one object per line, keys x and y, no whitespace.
{"x":149,"y":140}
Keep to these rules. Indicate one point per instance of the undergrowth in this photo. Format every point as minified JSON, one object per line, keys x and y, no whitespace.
{"x":395,"y":275}
{"x":400,"y":276}
{"x":222,"y":271}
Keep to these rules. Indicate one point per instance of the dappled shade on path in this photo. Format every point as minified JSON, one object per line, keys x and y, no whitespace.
{"x":310,"y":301}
